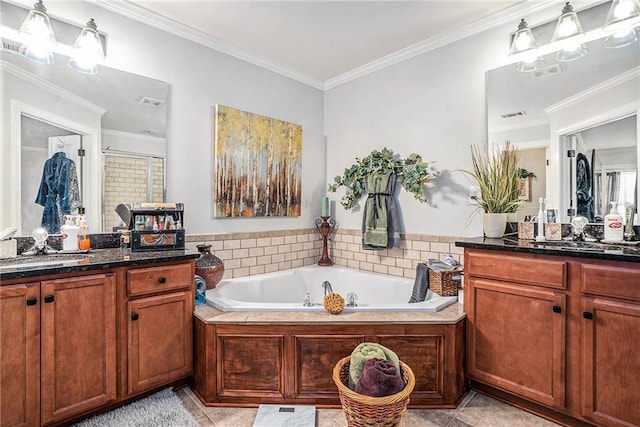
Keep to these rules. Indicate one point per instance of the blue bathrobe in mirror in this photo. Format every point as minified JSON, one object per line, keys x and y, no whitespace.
{"x":59,"y":192}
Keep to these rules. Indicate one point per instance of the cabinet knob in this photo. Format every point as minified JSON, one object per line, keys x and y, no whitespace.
{"x":134,"y":316}
{"x":162,"y":280}
{"x":587,"y":315}
{"x":557,"y":309}
{"x":49,"y":298}
{"x":32,"y":301}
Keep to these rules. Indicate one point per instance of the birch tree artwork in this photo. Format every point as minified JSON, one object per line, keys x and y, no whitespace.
{"x":258,"y":165}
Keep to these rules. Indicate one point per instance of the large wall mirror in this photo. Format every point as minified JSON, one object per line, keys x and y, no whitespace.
{"x":589,"y":105}
{"x":117,"y":119}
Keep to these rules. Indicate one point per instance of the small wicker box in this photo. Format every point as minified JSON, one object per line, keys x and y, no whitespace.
{"x":442,"y":283}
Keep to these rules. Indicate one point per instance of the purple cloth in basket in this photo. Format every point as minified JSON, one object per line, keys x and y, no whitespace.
{"x":379,"y":378}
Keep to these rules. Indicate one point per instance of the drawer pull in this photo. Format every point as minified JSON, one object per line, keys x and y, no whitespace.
{"x":162,"y":280}
{"x":49,"y":298}
{"x":134,"y":316}
{"x":587,"y":315}
{"x":32,"y":301}
{"x":557,"y":309}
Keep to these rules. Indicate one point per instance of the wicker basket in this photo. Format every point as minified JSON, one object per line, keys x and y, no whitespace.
{"x":442,"y":283}
{"x":367,"y":411}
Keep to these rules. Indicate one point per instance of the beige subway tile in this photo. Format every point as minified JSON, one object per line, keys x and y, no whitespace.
{"x":224,"y":255}
{"x":295,"y":247}
{"x":277,"y":258}
{"x":405,"y":244}
{"x":270,"y":268}
{"x":241,"y":272}
{"x":248,"y":243}
{"x":411,"y":254}
{"x":277,"y":240}
{"x":302,"y":238}
{"x":216,"y":245}
{"x":263,"y":241}
{"x":425,"y":256}
{"x":228,"y":274}
{"x":270,"y":250}
{"x":420,"y":246}
{"x":303,"y":254}
{"x":373,"y":258}
{"x":440,"y":247}
{"x":389,"y":261}
{"x":309,"y":261}
{"x":284,"y":248}
{"x":340,"y":261}
{"x":395,"y":252}
{"x":351,"y":263}
{"x":353,"y":247}
{"x":248,"y":262}
{"x":240,"y":253}
{"x":230,"y":264}
{"x":257,"y":269}
{"x":359,"y":256}
{"x":232,"y":244}
{"x":404,"y":263}
{"x":290,"y":256}
{"x":263,"y":260}
{"x":297,"y":263}
{"x":290,"y":239}
{"x":336,"y":252}
{"x":453,"y":249}
{"x":347,"y":255}
{"x":409,"y":273}
{"x":341,"y":246}
{"x":395,"y":271}
{"x":308,"y":245}
{"x":285,"y":265}
{"x":383,"y":269}
{"x":367,"y":266}
{"x":256,"y":251}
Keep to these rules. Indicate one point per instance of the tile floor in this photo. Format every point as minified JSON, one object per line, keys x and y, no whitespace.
{"x":476,"y":410}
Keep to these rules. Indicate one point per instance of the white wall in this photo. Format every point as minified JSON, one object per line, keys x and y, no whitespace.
{"x":434,"y":105}
{"x":200,"y":78}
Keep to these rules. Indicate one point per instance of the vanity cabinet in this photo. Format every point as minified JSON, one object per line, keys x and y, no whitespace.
{"x":58,"y":352}
{"x":159,"y":325}
{"x":559,"y":336}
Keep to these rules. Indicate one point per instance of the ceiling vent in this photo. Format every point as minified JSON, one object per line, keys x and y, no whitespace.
{"x":548,"y":71}
{"x":147,"y":100}
{"x":10,"y":45}
{"x":512,"y":115}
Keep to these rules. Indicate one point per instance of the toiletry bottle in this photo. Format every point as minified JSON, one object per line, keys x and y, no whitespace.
{"x":83,"y":239}
{"x":613,"y":225}
{"x":69,"y":235}
{"x":540,"y":234}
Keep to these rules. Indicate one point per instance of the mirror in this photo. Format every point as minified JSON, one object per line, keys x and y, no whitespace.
{"x":590,"y":105}
{"x":119,"y":119}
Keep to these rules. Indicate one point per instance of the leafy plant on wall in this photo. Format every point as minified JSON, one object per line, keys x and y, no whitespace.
{"x":412,"y":172}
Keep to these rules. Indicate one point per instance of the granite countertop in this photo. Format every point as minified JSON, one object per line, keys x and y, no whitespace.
{"x":448,"y":315}
{"x":98,"y":259}
{"x":616,"y":252}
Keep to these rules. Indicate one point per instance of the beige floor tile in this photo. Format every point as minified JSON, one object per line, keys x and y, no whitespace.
{"x":426,"y":418}
{"x":483,"y":411}
{"x":185,"y":395}
{"x":197,"y":402}
{"x":334,"y":415}
{"x":233,"y":417}
{"x":204,"y":421}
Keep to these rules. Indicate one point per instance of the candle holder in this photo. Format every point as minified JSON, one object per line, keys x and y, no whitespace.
{"x":325,"y":226}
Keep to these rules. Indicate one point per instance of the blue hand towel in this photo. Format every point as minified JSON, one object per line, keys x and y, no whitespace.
{"x":421,"y":285}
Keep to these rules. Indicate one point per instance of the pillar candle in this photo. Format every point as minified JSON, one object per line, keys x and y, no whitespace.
{"x":325,"y":206}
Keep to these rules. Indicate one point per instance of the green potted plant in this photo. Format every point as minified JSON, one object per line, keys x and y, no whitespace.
{"x":497,"y":175}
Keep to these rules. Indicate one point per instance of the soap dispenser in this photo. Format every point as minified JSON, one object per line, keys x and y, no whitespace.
{"x":69,"y":234}
{"x":613,"y":225}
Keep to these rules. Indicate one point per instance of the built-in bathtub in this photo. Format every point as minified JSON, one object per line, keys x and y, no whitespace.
{"x":287,"y":291}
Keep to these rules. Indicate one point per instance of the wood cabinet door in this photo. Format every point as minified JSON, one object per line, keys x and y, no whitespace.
{"x":20,"y":355}
{"x":78,"y":345}
{"x":516,"y":339}
{"x":159,"y":342}
{"x":611,"y":362}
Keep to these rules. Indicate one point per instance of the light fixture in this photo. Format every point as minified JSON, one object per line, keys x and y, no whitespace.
{"x":623,"y":16}
{"x":87,"y":50}
{"x":568,"y":35}
{"x":524,"y":49}
{"x":37,"y":38}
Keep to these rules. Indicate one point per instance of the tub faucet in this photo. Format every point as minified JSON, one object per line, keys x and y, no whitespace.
{"x":327,"y":287}
{"x":352,"y":299}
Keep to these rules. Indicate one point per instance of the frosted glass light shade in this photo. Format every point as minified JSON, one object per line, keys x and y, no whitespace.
{"x":523,"y":47}
{"x":87,"y":50}
{"x":38,"y":40}
{"x":568,"y":36}
{"x":623,"y":15}
{"x":621,"y":38}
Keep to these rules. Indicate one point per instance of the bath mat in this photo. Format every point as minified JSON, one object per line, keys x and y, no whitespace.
{"x":285,"y":416}
{"x":163,"y":409}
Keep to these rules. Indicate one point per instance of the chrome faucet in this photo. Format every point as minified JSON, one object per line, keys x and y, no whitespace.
{"x":327,"y":287}
{"x":352,"y":299}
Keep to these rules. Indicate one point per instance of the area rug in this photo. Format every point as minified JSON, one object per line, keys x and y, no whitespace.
{"x":163,"y":409}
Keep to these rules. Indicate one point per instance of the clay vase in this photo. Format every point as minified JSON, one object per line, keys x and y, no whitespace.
{"x":209,"y":266}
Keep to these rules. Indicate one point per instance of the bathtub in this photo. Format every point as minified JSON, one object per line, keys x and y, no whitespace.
{"x":286,"y":291}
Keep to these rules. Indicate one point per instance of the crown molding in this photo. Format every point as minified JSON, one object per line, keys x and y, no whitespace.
{"x":153,"y":19}
{"x":47,"y":85}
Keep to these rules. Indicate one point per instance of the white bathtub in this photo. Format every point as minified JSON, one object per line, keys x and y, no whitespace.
{"x":286,"y":291}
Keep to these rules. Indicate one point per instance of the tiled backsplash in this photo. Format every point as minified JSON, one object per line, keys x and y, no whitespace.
{"x":247,"y":254}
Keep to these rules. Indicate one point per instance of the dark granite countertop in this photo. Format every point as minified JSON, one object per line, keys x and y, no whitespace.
{"x":98,"y":259}
{"x":614,"y":252}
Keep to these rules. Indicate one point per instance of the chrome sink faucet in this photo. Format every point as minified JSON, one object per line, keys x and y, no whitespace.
{"x":40,"y":246}
{"x":327,"y":287}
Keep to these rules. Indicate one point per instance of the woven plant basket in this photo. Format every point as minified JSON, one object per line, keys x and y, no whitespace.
{"x":367,"y":411}
{"x":442,"y":283}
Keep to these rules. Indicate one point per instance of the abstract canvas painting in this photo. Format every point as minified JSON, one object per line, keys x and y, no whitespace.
{"x":258,"y":165}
